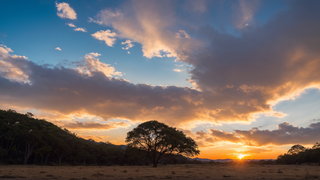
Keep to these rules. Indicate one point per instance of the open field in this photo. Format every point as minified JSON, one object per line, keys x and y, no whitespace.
{"x":191,"y":171}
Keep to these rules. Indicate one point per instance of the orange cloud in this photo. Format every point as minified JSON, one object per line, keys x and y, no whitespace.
{"x":92,"y":125}
{"x":145,"y":22}
{"x":100,"y":138}
{"x":251,"y":150}
{"x":92,"y":64}
{"x":286,"y":134}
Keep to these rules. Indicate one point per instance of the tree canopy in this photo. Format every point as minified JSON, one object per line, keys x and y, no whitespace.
{"x":27,"y":140}
{"x":161,"y":141}
{"x":295,"y":149}
{"x":298,"y":154}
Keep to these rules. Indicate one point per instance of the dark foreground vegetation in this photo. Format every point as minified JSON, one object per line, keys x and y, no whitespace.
{"x":26,"y":140}
{"x":298,"y":154}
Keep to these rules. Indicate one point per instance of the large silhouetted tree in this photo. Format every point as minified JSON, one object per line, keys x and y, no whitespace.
{"x":159,"y":141}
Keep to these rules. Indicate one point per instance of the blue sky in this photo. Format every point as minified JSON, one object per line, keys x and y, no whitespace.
{"x":35,"y":30}
{"x":210,"y":68}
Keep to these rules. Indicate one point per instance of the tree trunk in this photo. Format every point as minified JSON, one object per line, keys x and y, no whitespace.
{"x":60,"y":160}
{"x":47,"y":159}
{"x":60,"y":157}
{"x":155,"y":164}
{"x":27,"y":153}
{"x":9,"y":147}
{"x":35,"y":159}
{"x":41,"y":160}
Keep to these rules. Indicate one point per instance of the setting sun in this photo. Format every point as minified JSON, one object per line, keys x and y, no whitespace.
{"x":240,"y":156}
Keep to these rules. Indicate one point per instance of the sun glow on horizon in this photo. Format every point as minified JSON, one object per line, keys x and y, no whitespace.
{"x":240,"y":156}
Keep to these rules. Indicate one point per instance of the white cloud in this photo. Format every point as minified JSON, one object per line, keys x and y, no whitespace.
{"x":108,"y":16}
{"x":128,"y":44}
{"x":65,"y":11}
{"x":4,"y":50}
{"x":9,"y":68}
{"x":95,"y":54}
{"x":95,"y":21}
{"x":128,"y":52}
{"x":71,"y":25}
{"x":76,"y":28}
{"x":13,"y":73}
{"x":80,"y":29}
{"x":92,"y":64}
{"x":107,"y":36}
{"x":178,"y":70}
{"x":57,"y":48}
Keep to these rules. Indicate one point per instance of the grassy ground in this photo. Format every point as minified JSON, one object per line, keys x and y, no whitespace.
{"x":204,"y":172}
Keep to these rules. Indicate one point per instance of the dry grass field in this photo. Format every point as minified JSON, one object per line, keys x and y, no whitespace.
{"x":191,"y":171}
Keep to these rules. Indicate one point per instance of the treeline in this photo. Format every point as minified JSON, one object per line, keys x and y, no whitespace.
{"x":299,"y":154}
{"x":26,"y":140}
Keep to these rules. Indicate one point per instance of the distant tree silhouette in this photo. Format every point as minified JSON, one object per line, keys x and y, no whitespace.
{"x":296,"y":149}
{"x":29,"y":114}
{"x":298,"y":154}
{"x":316,"y":145}
{"x":160,"y":141}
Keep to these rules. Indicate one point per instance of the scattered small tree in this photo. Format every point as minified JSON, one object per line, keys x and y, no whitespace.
{"x":160,"y":141}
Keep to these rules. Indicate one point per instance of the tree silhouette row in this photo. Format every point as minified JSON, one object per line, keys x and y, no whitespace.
{"x":26,"y":140}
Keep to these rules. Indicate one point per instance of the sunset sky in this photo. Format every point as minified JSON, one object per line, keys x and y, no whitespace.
{"x":238,"y":76}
